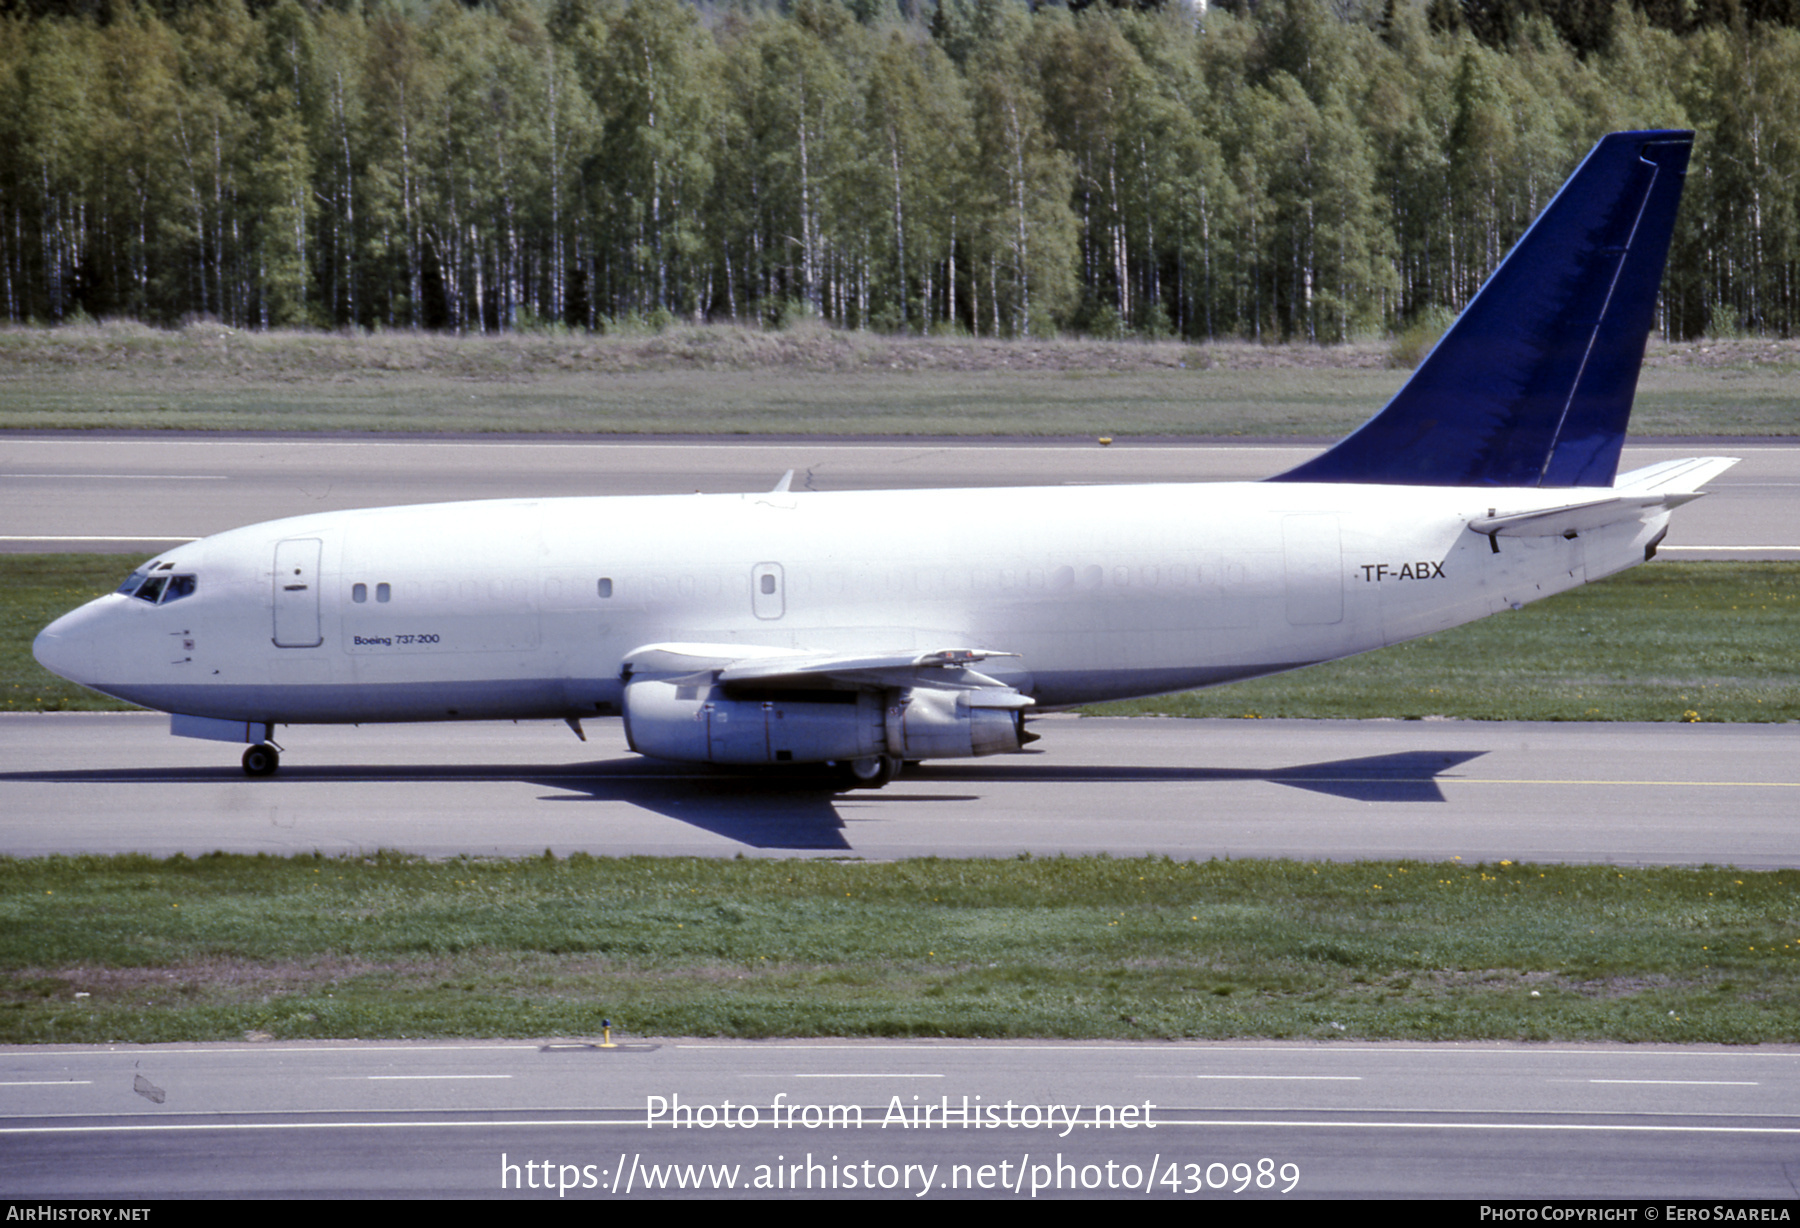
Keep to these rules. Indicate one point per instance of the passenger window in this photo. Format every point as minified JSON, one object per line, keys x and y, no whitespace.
{"x":383,"y":592}
{"x":606,"y":586}
{"x":359,"y":593}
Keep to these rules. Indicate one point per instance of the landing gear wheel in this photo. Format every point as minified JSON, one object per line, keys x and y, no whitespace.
{"x":261,"y":760}
{"x":873,"y":772}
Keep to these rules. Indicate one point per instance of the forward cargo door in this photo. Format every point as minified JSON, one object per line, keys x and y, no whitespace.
{"x":297,"y":593}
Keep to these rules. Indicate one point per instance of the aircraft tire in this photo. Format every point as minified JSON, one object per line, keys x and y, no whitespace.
{"x":871,"y":773}
{"x":261,"y":760}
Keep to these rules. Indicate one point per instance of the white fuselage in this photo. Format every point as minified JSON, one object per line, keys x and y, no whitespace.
{"x":527,"y":608}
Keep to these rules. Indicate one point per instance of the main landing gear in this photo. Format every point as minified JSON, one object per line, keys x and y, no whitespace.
{"x":262,"y":759}
{"x":870,"y":773}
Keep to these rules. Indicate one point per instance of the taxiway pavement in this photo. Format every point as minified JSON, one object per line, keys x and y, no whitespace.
{"x":138,"y":493}
{"x":1637,"y":794}
{"x":566,"y":1119}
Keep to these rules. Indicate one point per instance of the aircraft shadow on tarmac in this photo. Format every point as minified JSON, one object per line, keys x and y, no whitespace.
{"x":798,"y":809}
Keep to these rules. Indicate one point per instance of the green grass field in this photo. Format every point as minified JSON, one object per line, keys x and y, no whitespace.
{"x":1666,"y":642}
{"x":725,"y":380}
{"x":225,"y":947}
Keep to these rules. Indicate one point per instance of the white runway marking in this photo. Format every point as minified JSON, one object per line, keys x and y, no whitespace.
{"x":1303,"y":1078}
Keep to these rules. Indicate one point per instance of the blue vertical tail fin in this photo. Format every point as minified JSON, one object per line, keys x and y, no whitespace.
{"x":1533,"y":383}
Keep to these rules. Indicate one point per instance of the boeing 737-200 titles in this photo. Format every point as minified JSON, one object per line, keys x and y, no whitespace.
{"x":871,"y":629}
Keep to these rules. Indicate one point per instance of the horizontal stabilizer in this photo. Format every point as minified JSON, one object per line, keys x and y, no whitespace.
{"x":1656,"y":488}
{"x":1674,"y":477}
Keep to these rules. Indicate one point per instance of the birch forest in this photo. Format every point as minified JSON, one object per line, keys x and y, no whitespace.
{"x":1282,"y":170}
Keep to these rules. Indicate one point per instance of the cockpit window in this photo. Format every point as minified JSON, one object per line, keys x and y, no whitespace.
{"x":158,"y":590}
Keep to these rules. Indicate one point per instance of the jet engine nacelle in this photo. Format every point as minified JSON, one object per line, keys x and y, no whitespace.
{"x":925,"y":723}
{"x":698,"y":722}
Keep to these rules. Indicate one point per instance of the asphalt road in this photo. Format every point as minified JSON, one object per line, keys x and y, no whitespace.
{"x":1659,"y":794}
{"x":136,"y":493}
{"x":1025,"y":1120}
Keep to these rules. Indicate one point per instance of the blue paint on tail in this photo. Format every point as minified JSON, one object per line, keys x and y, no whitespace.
{"x":1532,"y":386}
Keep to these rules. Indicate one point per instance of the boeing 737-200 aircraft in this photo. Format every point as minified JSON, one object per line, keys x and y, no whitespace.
{"x":871,"y":629}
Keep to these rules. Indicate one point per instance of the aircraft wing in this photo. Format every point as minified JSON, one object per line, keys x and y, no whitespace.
{"x":744,"y":666}
{"x":1653,"y":488}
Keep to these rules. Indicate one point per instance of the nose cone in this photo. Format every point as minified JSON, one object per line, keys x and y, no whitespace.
{"x":67,"y":647}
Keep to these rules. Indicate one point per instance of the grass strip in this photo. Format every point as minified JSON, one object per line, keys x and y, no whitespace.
{"x":1667,"y":642}
{"x":724,"y":380}
{"x":131,"y":949}
{"x":35,"y":590}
